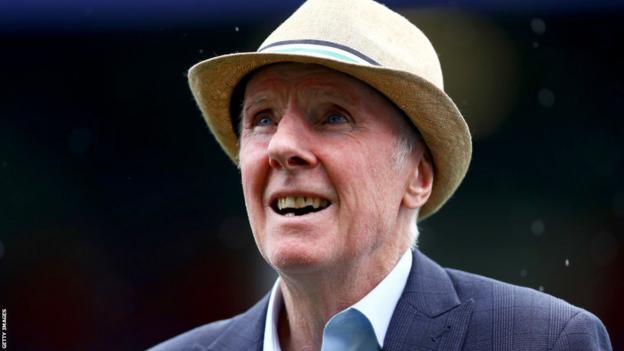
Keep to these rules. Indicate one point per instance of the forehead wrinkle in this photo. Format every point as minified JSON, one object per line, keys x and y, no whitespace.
{"x":325,"y":92}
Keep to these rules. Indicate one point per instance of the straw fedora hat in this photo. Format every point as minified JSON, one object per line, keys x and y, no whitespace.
{"x":367,"y":41}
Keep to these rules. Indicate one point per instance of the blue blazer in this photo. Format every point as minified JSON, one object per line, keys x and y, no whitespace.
{"x":440,"y":309}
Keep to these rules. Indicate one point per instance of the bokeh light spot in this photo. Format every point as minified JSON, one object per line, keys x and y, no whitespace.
{"x":538,"y":26}
{"x":537,"y":227}
{"x":546,"y":97}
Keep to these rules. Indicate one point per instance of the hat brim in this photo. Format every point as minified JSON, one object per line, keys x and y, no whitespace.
{"x":432,"y":111}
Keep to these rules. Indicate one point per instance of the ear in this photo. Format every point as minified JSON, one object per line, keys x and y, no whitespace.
{"x":420,"y":182}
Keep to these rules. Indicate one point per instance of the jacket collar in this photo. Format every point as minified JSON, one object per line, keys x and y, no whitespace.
{"x":429,"y":314}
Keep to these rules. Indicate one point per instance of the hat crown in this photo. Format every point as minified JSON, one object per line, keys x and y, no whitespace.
{"x":365,"y":28}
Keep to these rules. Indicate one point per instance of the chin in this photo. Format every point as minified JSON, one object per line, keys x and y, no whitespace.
{"x":297,"y":257}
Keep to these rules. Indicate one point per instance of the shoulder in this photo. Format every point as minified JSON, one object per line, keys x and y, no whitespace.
{"x":510,"y":315}
{"x":241,"y":332}
{"x":195,"y":339}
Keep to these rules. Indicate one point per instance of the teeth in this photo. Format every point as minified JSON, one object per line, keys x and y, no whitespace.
{"x":300,"y":202}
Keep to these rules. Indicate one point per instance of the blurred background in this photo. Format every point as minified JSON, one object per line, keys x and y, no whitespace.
{"x":123,"y":224}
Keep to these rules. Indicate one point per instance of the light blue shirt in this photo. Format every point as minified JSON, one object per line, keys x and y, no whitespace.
{"x":376,"y":307}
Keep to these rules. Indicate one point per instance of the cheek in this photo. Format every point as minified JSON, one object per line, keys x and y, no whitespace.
{"x":254,"y":167}
{"x":371,"y":170}
{"x":370,"y":190}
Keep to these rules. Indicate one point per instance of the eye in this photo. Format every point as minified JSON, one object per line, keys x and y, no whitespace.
{"x":263,"y":120}
{"x":336,"y":118}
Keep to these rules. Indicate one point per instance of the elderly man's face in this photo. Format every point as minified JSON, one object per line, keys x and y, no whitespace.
{"x":321,"y":185}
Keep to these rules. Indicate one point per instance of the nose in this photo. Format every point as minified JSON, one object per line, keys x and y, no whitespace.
{"x":289,"y":147}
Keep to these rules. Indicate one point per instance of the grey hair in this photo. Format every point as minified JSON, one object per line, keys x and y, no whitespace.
{"x":404,"y":145}
{"x":403,"y":148}
{"x":414,"y":232}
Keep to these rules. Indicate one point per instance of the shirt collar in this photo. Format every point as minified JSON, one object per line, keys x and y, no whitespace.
{"x":271,"y":339}
{"x":378,"y":305}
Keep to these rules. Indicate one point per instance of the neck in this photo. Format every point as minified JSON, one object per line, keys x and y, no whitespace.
{"x":310,"y":300}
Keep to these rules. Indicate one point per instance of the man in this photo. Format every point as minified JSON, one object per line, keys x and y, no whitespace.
{"x":345,"y":138}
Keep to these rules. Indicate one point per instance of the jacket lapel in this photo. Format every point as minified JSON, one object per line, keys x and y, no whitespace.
{"x":246,"y":331}
{"x":429,"y":315}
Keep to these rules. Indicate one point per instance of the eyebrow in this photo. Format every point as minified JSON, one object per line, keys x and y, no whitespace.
{"x":256,"y":100}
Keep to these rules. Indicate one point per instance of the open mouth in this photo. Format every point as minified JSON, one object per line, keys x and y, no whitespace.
{"x":299,"y":205}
